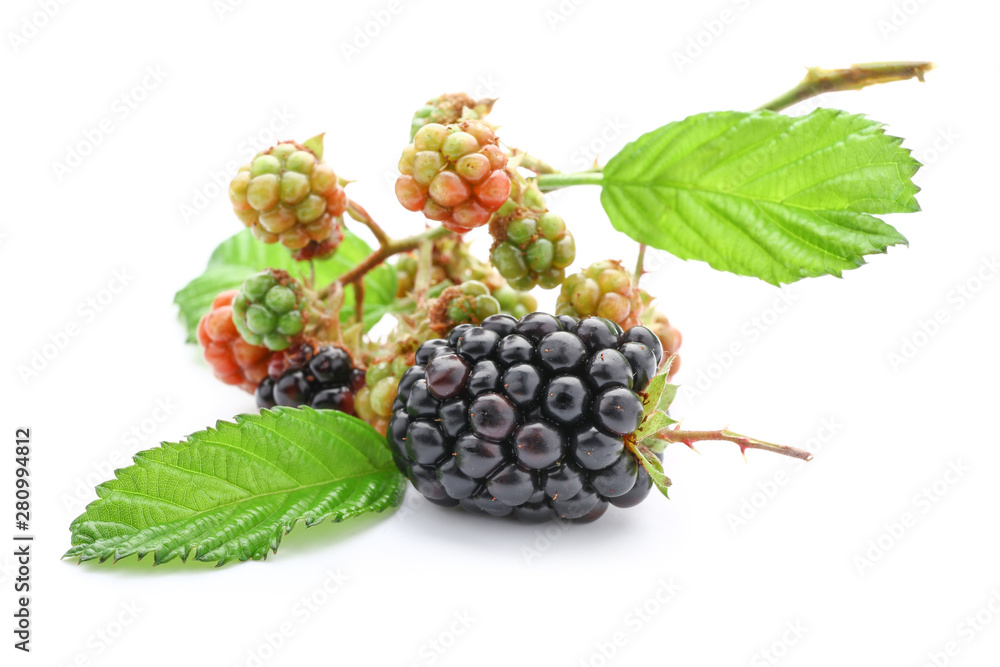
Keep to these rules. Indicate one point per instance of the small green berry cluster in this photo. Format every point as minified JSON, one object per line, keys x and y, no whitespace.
{"x":470,"y":302}
{"x":268,"y":310}
{"x":532,"y":249}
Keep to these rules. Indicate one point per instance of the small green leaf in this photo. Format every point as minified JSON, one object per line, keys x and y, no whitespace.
{"x":652,"y":393}
{"x":658,"y":395}
{"x":652,"y":424}
{"x":242,"y":255}
{"x":667,"y":397}
{"x":762,"y":194}
{"x":232,"y":492}
{"x":647,"y":459}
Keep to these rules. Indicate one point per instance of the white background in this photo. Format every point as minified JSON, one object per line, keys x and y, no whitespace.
{"x":818,"y":552}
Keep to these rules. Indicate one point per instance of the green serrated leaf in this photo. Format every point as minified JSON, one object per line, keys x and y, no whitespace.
{"x":648,"y":460}
{"x":242,"y":255}
{"x":232,"y":492}
{"x":652,"y":424}
{"x":762,"y":194}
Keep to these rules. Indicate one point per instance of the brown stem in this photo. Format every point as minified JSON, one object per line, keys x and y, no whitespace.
{"x":358,"y":212}
{"x":359,"y":301}
{"x":742,"y":441}
{"x":383,"y":253}
{"x":856,"y":77}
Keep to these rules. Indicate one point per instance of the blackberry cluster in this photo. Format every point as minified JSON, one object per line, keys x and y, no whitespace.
{"x":454,"y":174}
{"x":322,"y":378}
{"x":526,"y":417}
{"x":288,"y":194}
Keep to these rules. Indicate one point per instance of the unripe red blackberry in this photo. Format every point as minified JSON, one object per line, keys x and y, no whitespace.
{"x":233,"y":360}
{"x":268,"y":310}
{"x":288,"y":194}
{"x":454,"y":174}
{"x":525,"y":417}
{"x":604,"y":289}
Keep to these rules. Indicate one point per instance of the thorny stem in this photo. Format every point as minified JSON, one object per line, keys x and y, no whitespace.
{"x":856,"y":77}
{"x":744,"y":442}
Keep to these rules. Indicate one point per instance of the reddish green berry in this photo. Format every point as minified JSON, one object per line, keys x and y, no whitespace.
{"x":453,"y":174}
{"x":288,"y":194}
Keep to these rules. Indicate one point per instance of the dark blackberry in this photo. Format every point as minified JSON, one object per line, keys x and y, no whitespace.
{"x":525,"y":417}
{"x":323,"y":378}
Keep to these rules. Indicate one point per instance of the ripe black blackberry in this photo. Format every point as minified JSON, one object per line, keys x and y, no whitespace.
{"x":526,"y":417}
{"x":323,"y":378}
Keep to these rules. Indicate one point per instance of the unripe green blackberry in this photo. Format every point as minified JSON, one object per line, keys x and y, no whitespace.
{"x":288,"y":194}
{"x":532,"y":249}
{"x":454,"y":174}
{"x":604,"y":289}
{"x":268,"y":310}
{"x":449,"y":108}
{"x":468,"y":303}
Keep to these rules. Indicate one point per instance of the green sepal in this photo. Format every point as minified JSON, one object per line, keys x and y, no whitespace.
{"x":315,"y":144}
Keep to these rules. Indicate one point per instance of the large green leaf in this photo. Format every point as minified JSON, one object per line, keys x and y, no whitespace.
{"x":235,"y":490}
{"x":762,"y":194}
{"x":242,"y":255}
